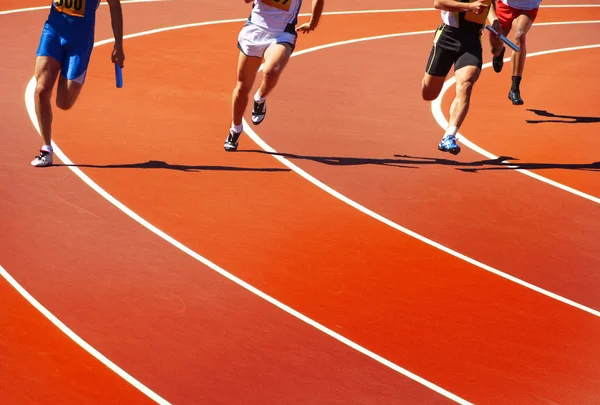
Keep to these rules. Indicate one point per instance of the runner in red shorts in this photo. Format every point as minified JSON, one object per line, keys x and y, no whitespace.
{"x":520,"y":15}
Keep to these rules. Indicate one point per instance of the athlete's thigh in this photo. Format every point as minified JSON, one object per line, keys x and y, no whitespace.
{"x":469,"y":62}
{"x":505,"y":15}
{"x":77,"y":59}
{"x":522,"y":24}
{"x":444,"y":51}
{"x":277,"y":56}
{"x":67,"y":92}
{"x":467,"y":74}
{"x":75,"y":66}
{"x":432,"y":86}
{"x":50,"y":44}
{"x":49,"y":56}
{"x":47,"y":70}
{"x":438,"y":66}
{"x":247,"y":68}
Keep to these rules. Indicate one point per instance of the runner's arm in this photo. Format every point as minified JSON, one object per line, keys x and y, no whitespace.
{"x":317,"y":11}
{"x":116,"y":17}
{"x":493,"y":19}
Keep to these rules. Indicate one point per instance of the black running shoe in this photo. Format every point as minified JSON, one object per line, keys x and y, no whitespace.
{"x":498,"y":61}
{"x":515,"y":96}
{"x":231,"y":143}
{"x":258,"y":112}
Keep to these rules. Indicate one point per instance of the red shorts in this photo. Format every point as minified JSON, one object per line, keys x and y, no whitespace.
{"x":506,"y":15}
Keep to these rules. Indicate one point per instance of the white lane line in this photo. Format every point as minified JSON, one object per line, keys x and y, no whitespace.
{"x":393,"y":10}
{"x":25,"y":10}
{"x":436,"y":109}
{"x":86,"y":346}
{"x":29,"y":101}
{"x":31,"y":110}
{"x":259,"y":141}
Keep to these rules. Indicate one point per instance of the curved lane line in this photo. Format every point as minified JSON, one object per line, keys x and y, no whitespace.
{"x":436,"y":109}
{"x":86,"y":346}
{"x":179,"y":245}
{"x":256,"y":138}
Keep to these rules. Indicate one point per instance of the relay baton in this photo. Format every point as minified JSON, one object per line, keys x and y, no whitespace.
{"x":118,"y":76}
{"x":503,"y":38}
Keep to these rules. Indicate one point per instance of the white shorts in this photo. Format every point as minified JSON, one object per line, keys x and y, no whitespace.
{"x":254,"y":40}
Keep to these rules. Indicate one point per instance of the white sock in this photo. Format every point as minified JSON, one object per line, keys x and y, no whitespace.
{"x":452,"y":131}
{"x":47,"y":148}
{"x":237,"y":128}
{"x":258,"y":98}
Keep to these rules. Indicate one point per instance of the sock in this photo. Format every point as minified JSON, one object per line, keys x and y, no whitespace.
{"x":516,"y":81}
{"x":258,"y":98}
{"x":452,"y":131}
{"x":237,"y":128}
{"x":47,"y":148}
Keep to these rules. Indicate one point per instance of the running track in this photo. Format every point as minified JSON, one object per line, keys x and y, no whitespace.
{"x":350,"y":116}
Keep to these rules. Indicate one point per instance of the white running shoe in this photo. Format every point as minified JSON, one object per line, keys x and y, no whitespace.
{"x":258,"y":112}
{"x":44,"y":159}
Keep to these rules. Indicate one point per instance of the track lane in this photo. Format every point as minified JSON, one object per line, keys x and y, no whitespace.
{"x":290,"y":204}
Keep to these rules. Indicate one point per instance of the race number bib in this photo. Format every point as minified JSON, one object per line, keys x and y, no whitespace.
{"x":280,"y":4}
{"x":479,"y":18}
{"x":75,"y":8}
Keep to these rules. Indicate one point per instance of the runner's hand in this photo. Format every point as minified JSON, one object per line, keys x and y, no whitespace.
{"x":477,"y":7}
{"x":118,"y":56}
{"x":305,"y":28}
{"x":496,"y":25}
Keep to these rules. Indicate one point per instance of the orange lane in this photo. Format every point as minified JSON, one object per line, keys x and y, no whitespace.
{"x":182,"y":329}
{"x":475,"y":334}
{"x":35,"y":370}
{"x":555,"y":133}
{"x":121,"y":288}
{"x":369,"y":146}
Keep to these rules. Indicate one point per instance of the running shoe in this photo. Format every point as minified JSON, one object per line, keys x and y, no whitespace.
{"x":258,"y":112}
{"x":514,"y":95}
{"x":498,"y":61}
{"x":43,"y":159}
{"x":231,"y":143}
{"x":448,"y":144}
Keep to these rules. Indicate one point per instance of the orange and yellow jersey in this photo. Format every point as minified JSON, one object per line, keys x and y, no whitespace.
{"x":78,"y":15}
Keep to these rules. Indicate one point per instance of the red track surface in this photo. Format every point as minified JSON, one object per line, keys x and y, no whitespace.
{"x":350,"y":116}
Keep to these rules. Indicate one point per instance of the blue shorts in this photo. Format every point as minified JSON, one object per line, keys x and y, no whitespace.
{"x":72,"y":53}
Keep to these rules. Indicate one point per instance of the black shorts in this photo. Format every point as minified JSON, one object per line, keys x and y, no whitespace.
{"x":454,"y":46}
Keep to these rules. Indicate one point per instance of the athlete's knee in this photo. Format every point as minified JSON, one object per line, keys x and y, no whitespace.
{"x":465,"y":88}
{"x":43,"y":92}
{"x":430,"y":91}
{"x":272,"y":71}
{"x":520,"y":37}
{"x":65,"y":103}
{"x":429,"y":94}
{"x":65,"y":96}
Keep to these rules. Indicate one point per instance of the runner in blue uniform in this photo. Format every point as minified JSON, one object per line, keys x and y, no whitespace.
{"x":65,"y":48}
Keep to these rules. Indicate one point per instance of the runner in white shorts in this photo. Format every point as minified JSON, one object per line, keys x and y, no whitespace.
{"x":270,"y":35}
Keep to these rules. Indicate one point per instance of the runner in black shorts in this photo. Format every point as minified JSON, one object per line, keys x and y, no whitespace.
{"x":457,"y":42}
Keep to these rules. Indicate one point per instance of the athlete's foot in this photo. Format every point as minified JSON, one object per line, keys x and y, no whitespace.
{"x":498,"y":61}
{"x":258,"y":112}
{"x":231,"y":143}
{"x":43,"y":159}
{"x":448,"y":144}
{"x":514,"y":95}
